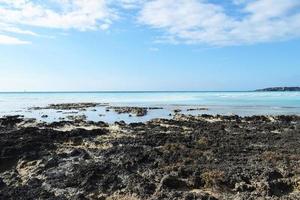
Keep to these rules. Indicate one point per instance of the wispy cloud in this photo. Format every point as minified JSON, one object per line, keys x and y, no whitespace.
{"x":129,"y":4}
{"x":8,"y":40}
{"x":13,"y":29}
{"x":201,"y":22}
{"x":61,"y":14}
{"x":79,"y":15}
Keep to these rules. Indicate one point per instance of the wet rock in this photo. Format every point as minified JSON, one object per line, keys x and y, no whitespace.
{"x":155,"y":108}
{"x":196,"y":109}
{"x":177,"y":110}
{"x":136,"y":124}
{"x":70,"y":106}
{"x":120,"y":123}
{"x":77,"y":117}
{"x":138,"y":111}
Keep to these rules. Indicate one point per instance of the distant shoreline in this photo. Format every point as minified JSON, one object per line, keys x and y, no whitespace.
{"x":279,"y":89}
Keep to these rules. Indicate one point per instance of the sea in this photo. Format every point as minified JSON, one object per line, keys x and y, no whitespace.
{"x":241,"y":103}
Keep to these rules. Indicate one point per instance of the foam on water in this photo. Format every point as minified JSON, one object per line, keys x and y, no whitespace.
{"x":241,"y":103}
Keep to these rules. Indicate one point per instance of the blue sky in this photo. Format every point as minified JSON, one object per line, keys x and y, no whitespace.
{"x":60,"y":45}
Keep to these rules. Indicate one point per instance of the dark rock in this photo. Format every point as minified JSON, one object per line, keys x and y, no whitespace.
{"x":71,"y":106}
{"x":196,"y":109}
{"x":280,"y":188}
{"x":177,"y":111}
{"x":188,"y":157}
{"x":138,"y":111}
{"x":2,"y":184}
{"x":172,"y":182}
{"x":155,"y":108}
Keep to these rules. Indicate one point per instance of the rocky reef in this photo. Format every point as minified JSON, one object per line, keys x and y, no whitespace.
{"x":187,"y":157}
{"x":137,"y":111}
{"x":71,"y":106}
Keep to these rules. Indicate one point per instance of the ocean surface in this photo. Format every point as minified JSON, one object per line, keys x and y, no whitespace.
{"x":225,"y":103}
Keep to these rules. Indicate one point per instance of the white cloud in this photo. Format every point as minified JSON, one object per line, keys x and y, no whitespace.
{"x":12,"y":29}
{"x":180,"y":21}
{"x":68,"y":14}
{"x":8,"y":40}
{"x":201,"y":22}
{"x":130,"y":4}
{"x":267,"y":9}
{"x":80,"y":15}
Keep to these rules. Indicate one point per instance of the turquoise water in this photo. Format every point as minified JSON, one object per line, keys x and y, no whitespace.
{"x":241,"y":103}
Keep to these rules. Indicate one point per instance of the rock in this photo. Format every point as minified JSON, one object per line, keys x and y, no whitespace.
{"x":134,"y":125}
{"x":138,"y":111}
{"x":70,"y":106}
{"x":187,"y":157}
{"x":155,"y":108}
{"x":77,"y":117}
{"x":121,"y":123}
{"x":196,"y":109}
{"x":280,"y":188}
{"x":173,"y":182}
{"x":2,"y":184}
{"x":177,"y":110}
{"x":10,"y":121}
{"x":244,"y":187}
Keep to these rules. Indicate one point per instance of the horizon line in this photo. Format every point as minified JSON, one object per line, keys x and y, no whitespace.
{"x":123,"y":91}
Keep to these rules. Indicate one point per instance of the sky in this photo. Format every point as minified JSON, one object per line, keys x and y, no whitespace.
{"x":130,"y":45}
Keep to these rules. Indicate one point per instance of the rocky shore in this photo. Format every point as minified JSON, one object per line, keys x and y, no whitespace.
{"x":187,"y":157}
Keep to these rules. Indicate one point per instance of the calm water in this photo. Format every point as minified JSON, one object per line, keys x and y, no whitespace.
{"x":241,"y":103}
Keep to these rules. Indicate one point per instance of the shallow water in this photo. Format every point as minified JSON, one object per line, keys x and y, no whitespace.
{"x":226,"y":103}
